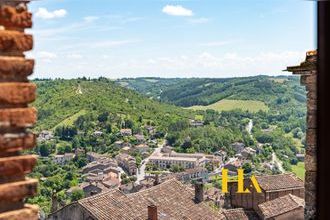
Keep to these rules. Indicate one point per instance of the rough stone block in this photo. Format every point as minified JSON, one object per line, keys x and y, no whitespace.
{"x":15,"y":68}
{"x":15,"y":17}
{"x":18,"y":190}
{"x":311,"y":104}
{"x":310,"y":159}
{"x":15,"y":41}
{"x":18,"y":117}
{"x":17,"y":93}
{"x":16,"y":142}
{"x":19,"y":165}
{"x":311,"y":119}
{"x":312,"y":95}
{"x":311,"y":137}
{"x":309,"y":80}
{"x":28,"y":212}
{"x":310,"y":181}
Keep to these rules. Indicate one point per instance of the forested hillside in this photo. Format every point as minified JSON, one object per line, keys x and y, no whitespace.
{"x":276,"y":92}
{"x":61,"y":102}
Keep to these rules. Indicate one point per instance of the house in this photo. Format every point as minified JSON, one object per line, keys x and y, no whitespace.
{"x":248,"y":152}
{"x":232,"y":165}
{"x":127,"y":162}
{"x":187,"y":161}
{"x":92,"y":156}
{"x":92,"y":188}
{"x":101,"y":165}
{"x":167,"y":162}
{"x":119,"y":144}
{"x":142,"y":148}
{"x":64,"y":158}
{"x":139,"y":138}
{"x":97,"y":133}
{"x":238,"y":147}
{"x":166,"y":149}
{"x":221,"y":154}
{"x":284,"y":207}
{"x":126,"y":150}
{"x":45,"y":136}
{"x":198,"y":173}
{"x":272,"y":186}
{"x":300,"y":157}
{"x":126,"y":132}
{"x":151,"y":130}
{"x":196,"y":123}
{"x":168,"y":200}
{"x":239,"y":214}
{"x":79,"y":152}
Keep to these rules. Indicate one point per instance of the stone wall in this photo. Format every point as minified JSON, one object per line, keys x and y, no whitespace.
{"x":308,"y":72}
{"x":16,"y":117}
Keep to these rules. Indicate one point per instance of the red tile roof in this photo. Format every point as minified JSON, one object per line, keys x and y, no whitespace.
{"x":279,"y":182}
{"x":280,"y":206}
{"x":172,"y":198}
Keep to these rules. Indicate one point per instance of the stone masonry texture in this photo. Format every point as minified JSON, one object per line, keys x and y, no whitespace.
{"x":307,"y":71}
{"x":16,"y":117}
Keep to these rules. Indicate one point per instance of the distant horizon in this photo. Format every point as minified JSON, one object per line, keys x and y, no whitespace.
{"x":160,"y":77}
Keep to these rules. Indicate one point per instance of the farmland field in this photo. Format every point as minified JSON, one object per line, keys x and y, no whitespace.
{"x":227,"y":105}
{"x":299,"y":170}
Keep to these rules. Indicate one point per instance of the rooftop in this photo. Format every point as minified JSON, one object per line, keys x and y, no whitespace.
{"x":239,"y":213}
{"x":173,"y":158}
{"x":173,"y":201}
{"x":307,"y":65}
{"x":279,"y":182}
{"x":280,"y":205}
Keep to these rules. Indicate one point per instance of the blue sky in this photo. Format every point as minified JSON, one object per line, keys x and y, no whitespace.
{"x":188,"y":38}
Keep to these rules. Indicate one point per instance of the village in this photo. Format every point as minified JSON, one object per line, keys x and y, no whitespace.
{"x":161,"y":165}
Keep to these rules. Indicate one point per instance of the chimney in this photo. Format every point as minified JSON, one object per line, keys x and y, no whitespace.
{"x":156,"y":179}
{"x":199,"y":191}
{"x":152,"y":212}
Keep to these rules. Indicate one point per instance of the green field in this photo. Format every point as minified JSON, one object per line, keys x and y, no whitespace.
{"x":299,"y":170}
{"x":70,"y":120}
{"x":227,"y":105}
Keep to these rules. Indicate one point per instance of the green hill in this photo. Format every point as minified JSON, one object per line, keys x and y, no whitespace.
{"x":61,"y":102}
{"x":278,"y":93}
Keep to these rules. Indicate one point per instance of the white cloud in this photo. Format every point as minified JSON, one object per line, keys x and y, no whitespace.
{"x":45,"y":14}
{"x":91,"y":18}
{"x":177,"y":10}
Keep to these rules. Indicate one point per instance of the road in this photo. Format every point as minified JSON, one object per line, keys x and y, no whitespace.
{"x":141,"y":171}
{"x":277,"y":162}
{"x":249,"y":127}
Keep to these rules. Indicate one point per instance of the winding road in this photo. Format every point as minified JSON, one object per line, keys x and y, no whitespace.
{"x":141,"y":170}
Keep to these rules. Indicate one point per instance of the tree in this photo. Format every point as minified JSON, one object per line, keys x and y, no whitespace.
{"x":77,"y":194}
{"x":44,"y":149}
{"x":176,"y":168}
{"x":103,"y":117}
{"x":247,"y":168}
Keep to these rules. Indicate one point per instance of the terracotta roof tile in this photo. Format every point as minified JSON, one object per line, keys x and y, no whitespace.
{"x":239,"y":214}
{"x":278,"y":182}
{"x":280,"y":205}
{"x":173,"y":201}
